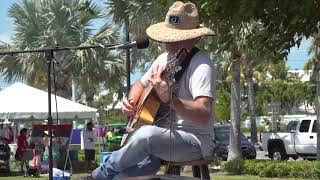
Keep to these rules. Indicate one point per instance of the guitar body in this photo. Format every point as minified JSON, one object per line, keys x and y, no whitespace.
{"x":148,"y":107}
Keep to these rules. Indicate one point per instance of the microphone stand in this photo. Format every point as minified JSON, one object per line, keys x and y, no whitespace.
{"x":49,"y":55}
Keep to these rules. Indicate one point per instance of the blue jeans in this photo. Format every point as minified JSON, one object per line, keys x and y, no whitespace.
{"x":146,"y":148}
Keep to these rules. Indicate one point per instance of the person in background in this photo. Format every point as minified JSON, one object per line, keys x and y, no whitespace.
{"x":278,"y":124}
{"x":1,"y":133}
{"x":11,"y":135}
{"x":22,"y":146}
{"x":267,"y":127}
{"x":55,"y":149}
{"x":90,"y":138}
{"x":8,"y":136}
{"x":109,"y":133}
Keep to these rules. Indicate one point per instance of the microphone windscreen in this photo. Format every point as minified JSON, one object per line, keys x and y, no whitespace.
{"x":142,"y":42}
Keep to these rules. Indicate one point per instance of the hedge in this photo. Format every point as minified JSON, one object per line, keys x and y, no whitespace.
{"x":268,"y":168}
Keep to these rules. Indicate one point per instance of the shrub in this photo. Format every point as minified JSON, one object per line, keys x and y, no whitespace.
{"x":252,"y":167}
{"x":268,"y":168}
{"x":305,"y":169}
{"x":234,"y":167}
{"x":248,"y":129}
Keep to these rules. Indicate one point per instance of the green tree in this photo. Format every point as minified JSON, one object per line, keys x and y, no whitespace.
{"x":284,"y":23}
{"x":234,"y":145}
{"x":314,"y":64}
{"x":222,"y":110}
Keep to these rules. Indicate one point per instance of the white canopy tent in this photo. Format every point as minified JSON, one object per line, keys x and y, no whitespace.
{"x":20,"y":101}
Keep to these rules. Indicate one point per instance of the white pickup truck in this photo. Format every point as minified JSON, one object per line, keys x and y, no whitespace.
{"x":299,"y":141}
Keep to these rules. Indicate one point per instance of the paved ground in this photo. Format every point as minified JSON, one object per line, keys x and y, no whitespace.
{"x":261,"y":154}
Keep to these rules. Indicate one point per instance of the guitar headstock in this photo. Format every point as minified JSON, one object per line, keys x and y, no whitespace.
{"x":174,"y":65}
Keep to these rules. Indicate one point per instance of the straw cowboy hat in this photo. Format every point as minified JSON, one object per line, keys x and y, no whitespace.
{"x":181,"y":23}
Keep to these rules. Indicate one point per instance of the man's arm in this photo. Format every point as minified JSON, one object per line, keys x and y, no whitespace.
{"x":129,"y":105}
{"x":85,"y":136}
{"x":198,"y":110}
{"x":94,"y":136}
{"x":136,"y":91}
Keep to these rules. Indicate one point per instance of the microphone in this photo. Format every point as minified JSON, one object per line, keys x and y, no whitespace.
{"x":140,"y":43}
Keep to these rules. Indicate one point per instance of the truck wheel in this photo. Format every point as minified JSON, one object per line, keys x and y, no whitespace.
{"x":278,"y":154}
{"x":295,"y":157}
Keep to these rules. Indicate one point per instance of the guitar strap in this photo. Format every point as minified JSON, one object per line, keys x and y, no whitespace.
{"x":185,"y":63}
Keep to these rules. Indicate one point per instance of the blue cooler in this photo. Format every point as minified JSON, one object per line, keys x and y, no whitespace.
{"x":104,"y":156}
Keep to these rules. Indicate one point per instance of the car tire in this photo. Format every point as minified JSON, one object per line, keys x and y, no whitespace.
{"x":278,"y":154}
{"x":295,"y":157}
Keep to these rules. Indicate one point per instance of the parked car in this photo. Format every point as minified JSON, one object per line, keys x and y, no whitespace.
{"x":299,"y":141}
{"x":222,"y":134}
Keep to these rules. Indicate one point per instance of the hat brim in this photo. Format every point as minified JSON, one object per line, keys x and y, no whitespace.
{"x":162,"y":33}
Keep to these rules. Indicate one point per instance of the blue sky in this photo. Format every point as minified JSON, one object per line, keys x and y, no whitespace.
{"x":296,"y":58}
{"x":6,"y":23}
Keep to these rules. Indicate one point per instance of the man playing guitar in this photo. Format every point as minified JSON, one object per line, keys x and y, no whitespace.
{"x":183,"y":127}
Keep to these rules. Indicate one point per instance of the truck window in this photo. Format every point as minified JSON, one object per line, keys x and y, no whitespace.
{"x":292,"y":125}
{"x":314,"y":127}
{"x":304,"y":127}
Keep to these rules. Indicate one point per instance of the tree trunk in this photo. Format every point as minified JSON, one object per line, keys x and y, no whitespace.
{"x":63,"y":88}
{"x":234,"y":142}
{"x":90,"y":92}
{"x":214,"y":92}
{"x":62,"y":75}
{"x":317,"y":68}
{"x":318,"y":115}
{"x":252,"y":103}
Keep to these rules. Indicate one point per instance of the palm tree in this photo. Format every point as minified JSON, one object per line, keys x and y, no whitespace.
{"x":317,"y":70}
{"x":315,"y":76}
{"x":234,"y":145}
{"x":253,"y":75}
{"x":47,"y":23}
{"x":251,"y":97}
{"x":242,"y":49}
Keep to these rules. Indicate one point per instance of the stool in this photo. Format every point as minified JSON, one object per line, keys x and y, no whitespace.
{"x":199,"y":168}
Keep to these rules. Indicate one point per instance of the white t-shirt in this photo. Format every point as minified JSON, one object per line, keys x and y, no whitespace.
{"x":87,"y":137}
{"x":197,"y":80}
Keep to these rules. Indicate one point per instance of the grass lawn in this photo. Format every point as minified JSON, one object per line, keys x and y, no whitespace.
{"x":245,"y":177}
{"x":213,"y":177}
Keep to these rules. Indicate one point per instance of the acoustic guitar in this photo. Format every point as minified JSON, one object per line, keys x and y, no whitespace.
{"x":149,"y":103}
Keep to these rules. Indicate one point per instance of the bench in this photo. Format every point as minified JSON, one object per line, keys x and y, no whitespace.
{"x":199,"y":168}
